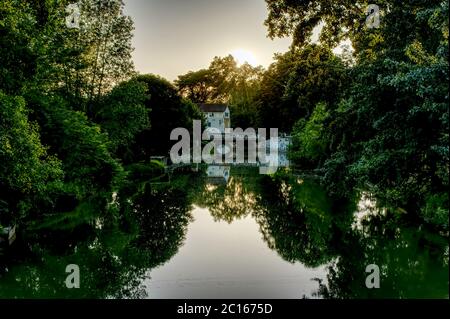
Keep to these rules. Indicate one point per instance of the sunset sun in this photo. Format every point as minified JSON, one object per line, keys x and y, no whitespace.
{"x":242,"y":56}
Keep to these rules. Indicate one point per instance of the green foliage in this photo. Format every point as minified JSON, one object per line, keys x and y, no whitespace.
{"x":106,"y":35}
{"x":123,"y":115}
{"x":393,"y":128}
{"x":436,"y":209}
{"x":67,"y":78}
{"x":297,"y":82}
{"x":309,"y":138}
{"x":83,"y":148}
{"x":299,"y":18}
{"x":168,"y":110}
{"x":196,"y":86}
{"x":317,"y":76}
{"x":17,"y":59}
{"x":375,"y":121}
{"x":272,"y":107}
{"x":225,"y":82}
{"x":387,"y":130}
{"x":244,"y":96}
{"x":145,"y":171}
{"x":27,"y":172}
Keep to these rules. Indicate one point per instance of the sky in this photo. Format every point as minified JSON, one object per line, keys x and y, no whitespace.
{"x":173,"y":37}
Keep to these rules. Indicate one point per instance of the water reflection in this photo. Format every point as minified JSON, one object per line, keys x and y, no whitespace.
{"x":160,"y":220}
{"x":222,"y":260}
{"x":113,"y":259}
{"x":251,"y":236}
{"x":233,"y":200}
{"x":296,"y":221}
{"x":412,"y":261}
{"x":305,"y":225}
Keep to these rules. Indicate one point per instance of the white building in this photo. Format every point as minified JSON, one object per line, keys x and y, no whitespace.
{"x":279,"y":148}
{"x":280,"y":144}
{"x":218,"y":174}
{"x":217,"y":116}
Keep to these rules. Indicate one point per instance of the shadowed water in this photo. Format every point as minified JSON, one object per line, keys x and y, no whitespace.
{"x":247,"y":236}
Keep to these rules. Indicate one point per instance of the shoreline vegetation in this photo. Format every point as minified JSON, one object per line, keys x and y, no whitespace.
{"x":79,"y":126}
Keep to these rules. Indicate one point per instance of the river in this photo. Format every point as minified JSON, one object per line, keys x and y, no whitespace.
{"x":240,"y":235}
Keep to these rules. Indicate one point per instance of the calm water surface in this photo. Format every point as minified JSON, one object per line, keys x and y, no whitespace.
{"x":222,"y":260}
{"x":243,"y":236}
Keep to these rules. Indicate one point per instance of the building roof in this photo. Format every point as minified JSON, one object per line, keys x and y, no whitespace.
{"x":206,"y":108}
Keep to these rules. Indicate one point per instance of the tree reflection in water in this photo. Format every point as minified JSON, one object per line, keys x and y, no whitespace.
{"x":115,"y":256}
{"x":413,"y":262}
{"x":233,"y":200}
{"x":148,"y":224}
{"x":303,"y":224}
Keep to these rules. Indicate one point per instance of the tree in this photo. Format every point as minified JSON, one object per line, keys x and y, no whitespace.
{"x":168,"y":110}
{"x":270,"y":101}
{"x":310,"y":139}
{"x":390,"y":130}
{"x":122,"y":114}
{"x":225,"y":82}
{"x":244,"y":96}
{"x":297,"y":82}
{"x":75,"y":90}
{"x":28,"y":174}
{"x":213,"y":85}
{"x":107,"y":33}
{"x":340,"y":20}
{"x":318,"y":76}
{"x":403,"y":152}
{"x":90,"y":169}
{"x":17,"y":59}
{"x":80,"y":64}
{"x":196,"y":86}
